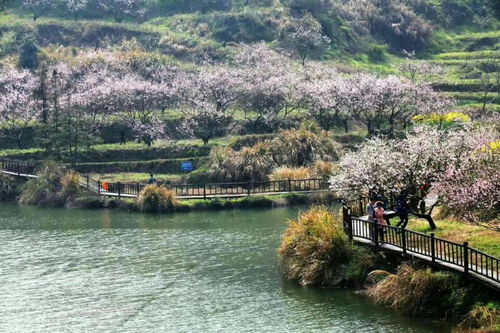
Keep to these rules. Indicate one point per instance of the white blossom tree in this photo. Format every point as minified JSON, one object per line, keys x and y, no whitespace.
{"x":120,"y":9}
{"x":417,"y":164}
{"x":75,"y":7}
{"x":37,"y":7}
{"x":306,"y":37}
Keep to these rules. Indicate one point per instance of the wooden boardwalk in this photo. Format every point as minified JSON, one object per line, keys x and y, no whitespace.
{"x":182,"y":191}
{"x":428,"y":248}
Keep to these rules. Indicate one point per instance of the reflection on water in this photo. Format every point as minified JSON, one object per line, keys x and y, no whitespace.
{"x":102,"y":271}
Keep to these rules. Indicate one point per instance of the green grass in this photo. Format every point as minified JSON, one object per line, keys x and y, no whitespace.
{"x":134,"y":177}
{"x":478,"y":97}
{"x":489,"y":106}
{"x":486,"y":54}
{"x":479,"y":238}
{"x":13,"y":152}
{"x":478,"y":35}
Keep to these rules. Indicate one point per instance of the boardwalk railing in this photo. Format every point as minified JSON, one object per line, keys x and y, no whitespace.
{"x":18,"y":168}
{"x":427,"y":247}
{"x":237,"y":189}
{"x":219,"y":189}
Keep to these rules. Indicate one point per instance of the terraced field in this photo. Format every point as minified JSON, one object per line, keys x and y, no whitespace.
{"x":473,"y":70}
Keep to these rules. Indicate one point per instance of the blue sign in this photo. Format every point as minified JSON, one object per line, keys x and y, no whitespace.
{"x":187,"y":166}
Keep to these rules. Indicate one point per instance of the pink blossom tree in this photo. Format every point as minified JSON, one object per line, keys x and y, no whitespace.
{"x":207,"y":100}
{"x":271,"y":88}
{"x":17,"y":106}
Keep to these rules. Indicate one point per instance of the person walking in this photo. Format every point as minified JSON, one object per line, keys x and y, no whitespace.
{"x":370,"y":209}
{"x":380,"y":219}
{"x":402,"y":210}
{"x":152,"y":179}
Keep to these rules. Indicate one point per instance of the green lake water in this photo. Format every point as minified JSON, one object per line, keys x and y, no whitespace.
{"x":108,"y":271}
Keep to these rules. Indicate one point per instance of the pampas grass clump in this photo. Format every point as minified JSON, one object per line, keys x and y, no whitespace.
{"x":155,"y":199}
{"x":315,"y":251}
{"x":416,"y":291}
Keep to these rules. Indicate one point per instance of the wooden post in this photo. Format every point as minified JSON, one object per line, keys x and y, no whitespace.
{"x":19,"y":169}
{"x":289,"y":185}
{"x":248,"y":188}
{"x":99,"y":187}
{"x":403,"y":240}
{"x":119,"y":190}
{"x":433,"y":248}
{"x":466,"y":258}
{"x":360,"y":206}
{"x":375,"y":233}
{"x":138,"y":187}
{"x":204,"y":191}
{"x":349,"y":228}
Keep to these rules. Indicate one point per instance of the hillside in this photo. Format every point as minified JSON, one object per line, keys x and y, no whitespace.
{"x":451,"y":45}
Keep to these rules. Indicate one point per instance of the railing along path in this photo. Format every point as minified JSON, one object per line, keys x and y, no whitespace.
{"x":437,"y":251}
{"x":182,"y":191}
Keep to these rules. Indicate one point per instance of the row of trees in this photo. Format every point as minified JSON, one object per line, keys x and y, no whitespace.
{"x":81,"y":96}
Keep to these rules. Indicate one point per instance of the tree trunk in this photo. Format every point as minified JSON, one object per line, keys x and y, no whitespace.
{"x":428,"y":218}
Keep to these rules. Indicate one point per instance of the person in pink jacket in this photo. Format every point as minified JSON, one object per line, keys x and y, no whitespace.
{"x":379,"y":216}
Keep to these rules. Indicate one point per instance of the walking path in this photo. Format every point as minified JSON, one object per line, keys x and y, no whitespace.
{"x":436,"y":251}
{"x":182,"y":191}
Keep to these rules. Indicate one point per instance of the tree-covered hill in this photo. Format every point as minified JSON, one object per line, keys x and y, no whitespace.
{"x":353,"y":27}
{"x":129,"y":65}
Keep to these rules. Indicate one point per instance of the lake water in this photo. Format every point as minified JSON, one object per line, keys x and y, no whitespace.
{"x":108,"y":271}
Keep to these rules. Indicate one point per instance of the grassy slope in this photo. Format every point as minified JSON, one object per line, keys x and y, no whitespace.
{"x":480,"y":238}
{"x":466,"y":52}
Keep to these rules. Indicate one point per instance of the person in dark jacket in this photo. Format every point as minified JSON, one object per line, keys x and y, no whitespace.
{"x":402,"y":210}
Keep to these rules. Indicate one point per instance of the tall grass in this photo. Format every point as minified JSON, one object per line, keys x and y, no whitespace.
{"x":8,"y":187}
{"x":315,"y":251}
{"x":156,"y":199}
{"x":417,"y":291}
{"x":45,"y":189}
{"x":482,"y":316}
{"x":285,"y":173}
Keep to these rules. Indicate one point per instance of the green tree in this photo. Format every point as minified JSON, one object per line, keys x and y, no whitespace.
{"x":29,"y":57}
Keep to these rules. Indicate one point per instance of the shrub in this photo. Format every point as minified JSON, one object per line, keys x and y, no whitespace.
{"x":415,"y":291}
{"x":292,"y":148}
{"x":324,"y":170}
{"x":250,"y":164}
{"x":482,"y":316}
{"x":315,"y":251}
{"x":443,"y":120}
{"x":45,"y":190}
{"x":285,"y":173}
{"x":249,"y":140}
{"x":377,"y":54}
{"x":70,"y":185}
{"x":8,"y":188}
{"x":156,"y":199}
{"x":304,"y":146}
